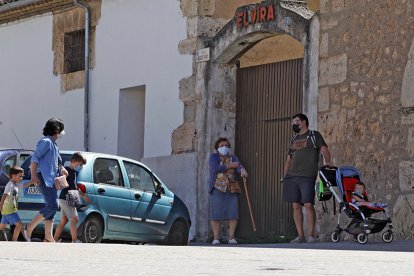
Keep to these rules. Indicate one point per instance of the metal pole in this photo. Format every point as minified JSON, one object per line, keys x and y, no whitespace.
{"x":87,"y":92}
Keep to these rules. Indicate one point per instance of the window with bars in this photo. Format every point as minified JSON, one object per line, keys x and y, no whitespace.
{"x":74,"y":51}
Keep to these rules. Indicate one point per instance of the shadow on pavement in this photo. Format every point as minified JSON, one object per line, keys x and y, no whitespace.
{"x":395,"y":246}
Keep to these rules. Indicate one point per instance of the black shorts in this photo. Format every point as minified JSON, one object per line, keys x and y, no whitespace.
{"x":299,"y":189}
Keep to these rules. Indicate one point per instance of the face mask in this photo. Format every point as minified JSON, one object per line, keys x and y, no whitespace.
{"x":60,"y":135}
{"x":223,"y":150}
{"x":78,"y":168}
{"x":296,"y":128}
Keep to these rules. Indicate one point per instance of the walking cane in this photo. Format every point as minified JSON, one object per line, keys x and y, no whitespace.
{"x":248,"y":204}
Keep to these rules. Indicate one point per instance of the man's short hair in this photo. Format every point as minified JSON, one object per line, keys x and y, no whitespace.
{"x":78,"y":157}
{"x":302,"y":117}
{"x":15,"y":170}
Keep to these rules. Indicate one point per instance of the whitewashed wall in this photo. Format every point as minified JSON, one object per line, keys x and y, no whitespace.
{"x":30,"y":93}
{"x":136,"y":44}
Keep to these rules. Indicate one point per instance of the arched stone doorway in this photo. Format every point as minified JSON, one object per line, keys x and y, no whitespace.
{"x":216,"y":80}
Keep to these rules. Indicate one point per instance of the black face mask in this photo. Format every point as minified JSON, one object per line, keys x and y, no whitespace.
{"x":296,"y":128}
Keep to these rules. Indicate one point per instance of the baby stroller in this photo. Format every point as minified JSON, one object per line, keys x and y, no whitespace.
{"x":361,"y":223}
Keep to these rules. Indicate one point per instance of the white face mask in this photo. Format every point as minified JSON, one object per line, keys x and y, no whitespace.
{"x":60,"y":135}
{"x":223,"y":150}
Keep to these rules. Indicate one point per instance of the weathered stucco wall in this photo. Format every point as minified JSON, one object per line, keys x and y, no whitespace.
{"x":365,"y":78}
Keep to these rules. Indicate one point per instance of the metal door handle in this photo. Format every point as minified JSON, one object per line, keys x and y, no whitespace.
{"x":137,"y":196}
{"x":101,"y":190}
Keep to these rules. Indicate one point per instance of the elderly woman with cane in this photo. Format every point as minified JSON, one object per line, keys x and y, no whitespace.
{"x":224,"y":190}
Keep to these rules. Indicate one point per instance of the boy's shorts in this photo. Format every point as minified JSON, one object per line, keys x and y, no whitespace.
{"x":67,"y":210}
{"x":10,"y":219}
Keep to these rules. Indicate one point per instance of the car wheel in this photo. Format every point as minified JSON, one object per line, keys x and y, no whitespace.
{"x":92,"y":231}
{"x":178,"y":234}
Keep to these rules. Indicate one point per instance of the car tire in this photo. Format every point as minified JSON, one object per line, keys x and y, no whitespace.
{"x":178,"y":234}
{"x":92,"y":231}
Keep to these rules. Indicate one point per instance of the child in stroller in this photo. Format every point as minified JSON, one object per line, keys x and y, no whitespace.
{"x":359,"y":197}
{"x":348,"y":180}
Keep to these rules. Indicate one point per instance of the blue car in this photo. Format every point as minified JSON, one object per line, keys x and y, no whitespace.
{"x":9,"y":158}
{"x":129,"y":202}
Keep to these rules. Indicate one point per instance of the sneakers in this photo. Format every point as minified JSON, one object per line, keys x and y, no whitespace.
{"x":77,"y":241}
{"x":379,"y":205}
{"x":215,"y":242}
{"x":5,"y":236}
{"x":298,"y":240}
{"x":232,"y":241}
{"x":312,"y":239}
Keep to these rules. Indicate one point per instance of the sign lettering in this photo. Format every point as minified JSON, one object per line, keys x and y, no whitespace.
{"x":255,"y":15}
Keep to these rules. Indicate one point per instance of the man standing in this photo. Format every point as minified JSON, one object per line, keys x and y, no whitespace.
{"x":301,"y":169}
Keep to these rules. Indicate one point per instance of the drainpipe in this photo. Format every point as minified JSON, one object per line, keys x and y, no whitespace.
{"x":86,"y":118}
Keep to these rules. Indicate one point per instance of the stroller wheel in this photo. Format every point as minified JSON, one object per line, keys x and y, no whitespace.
{"x":362,"y":238}
{"x":387,"y":236}
{"x":335,"y":236}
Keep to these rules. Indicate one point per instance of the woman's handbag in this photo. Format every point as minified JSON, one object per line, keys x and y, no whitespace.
{"x":61,"y":183}
{"x":73,"y":198}
{"x":234,"y":187}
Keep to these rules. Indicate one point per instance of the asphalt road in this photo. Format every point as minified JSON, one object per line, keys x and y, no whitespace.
{"x":347,"y":258}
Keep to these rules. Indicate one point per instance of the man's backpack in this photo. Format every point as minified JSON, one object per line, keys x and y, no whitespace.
{"x":327,"y":178}
{"x":322,"y":191}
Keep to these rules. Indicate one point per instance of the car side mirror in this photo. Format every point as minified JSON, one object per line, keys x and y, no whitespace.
{"x":159,"y":190}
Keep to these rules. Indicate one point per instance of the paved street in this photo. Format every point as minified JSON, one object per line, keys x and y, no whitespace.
{"x":200,"y":259}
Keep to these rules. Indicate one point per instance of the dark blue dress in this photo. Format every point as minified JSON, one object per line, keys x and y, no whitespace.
{"x":223,"y":206}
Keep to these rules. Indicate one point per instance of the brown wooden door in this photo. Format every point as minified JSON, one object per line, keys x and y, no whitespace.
{"x":267,"y":97}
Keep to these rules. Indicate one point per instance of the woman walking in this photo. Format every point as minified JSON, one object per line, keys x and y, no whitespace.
{"x":46,"y":164}
{"x":223,"y":203}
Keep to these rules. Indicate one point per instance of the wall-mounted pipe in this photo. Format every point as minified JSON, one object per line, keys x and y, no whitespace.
{"x":87,"y":92}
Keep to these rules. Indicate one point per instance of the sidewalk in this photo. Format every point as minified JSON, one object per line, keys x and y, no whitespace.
{"x":394,"y":246}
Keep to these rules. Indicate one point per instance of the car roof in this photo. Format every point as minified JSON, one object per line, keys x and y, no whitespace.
{"x":93,"y":155}
{"x":14,"y":149}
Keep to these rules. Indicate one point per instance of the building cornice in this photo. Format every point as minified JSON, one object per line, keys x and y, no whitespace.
{"x":12,"y":10}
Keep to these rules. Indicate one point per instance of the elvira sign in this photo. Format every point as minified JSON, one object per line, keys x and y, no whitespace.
{"x":255,"y":15}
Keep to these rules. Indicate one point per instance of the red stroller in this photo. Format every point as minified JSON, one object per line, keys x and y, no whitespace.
{"x":361,"y":224}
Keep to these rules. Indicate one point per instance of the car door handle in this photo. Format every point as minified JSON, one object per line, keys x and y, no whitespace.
{"x":137,"y":196}
{"x":101,"y":190}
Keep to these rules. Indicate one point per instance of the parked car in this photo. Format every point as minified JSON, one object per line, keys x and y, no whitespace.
{"x":129,"y":202}
{"x":8,"y":158}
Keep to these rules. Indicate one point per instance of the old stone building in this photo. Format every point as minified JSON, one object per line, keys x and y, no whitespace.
{"x":357,"y":90}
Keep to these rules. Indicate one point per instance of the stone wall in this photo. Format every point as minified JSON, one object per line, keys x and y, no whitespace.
{"x":365,"y":102}
{"x":204,"y":19}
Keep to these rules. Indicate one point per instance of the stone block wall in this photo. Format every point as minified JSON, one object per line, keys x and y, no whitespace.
{"x":365,"y":101}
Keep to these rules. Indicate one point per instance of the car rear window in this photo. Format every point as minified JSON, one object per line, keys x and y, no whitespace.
{"x":26,"y":164}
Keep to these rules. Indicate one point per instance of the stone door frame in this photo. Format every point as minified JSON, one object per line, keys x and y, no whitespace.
{"x":216,"y":84}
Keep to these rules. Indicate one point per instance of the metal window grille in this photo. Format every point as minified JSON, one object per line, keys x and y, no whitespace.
{"x":74,"y":49}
